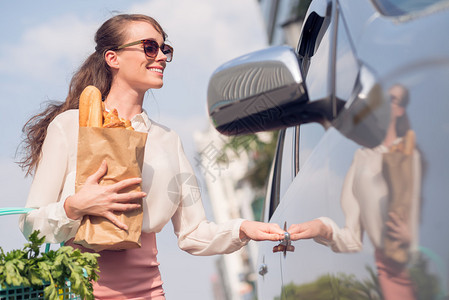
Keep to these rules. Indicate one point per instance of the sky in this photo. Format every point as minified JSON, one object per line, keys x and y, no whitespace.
{"x":44,"y":42}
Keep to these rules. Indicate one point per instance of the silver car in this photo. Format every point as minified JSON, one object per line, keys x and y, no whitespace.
{"x":362,"y":105}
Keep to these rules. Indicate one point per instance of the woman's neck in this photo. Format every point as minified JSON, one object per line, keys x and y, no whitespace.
{"x":128,"y":102}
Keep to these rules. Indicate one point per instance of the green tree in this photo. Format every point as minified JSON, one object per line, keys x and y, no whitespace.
{"x":299,"y":9}
{"x":426,"y":284}
{"x":341,"y":286}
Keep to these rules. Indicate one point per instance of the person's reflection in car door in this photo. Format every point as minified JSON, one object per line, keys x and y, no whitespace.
{"x":380,"y":196}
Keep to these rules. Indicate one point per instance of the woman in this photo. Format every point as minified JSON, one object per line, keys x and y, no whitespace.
{"x":129,"y":58}
{"x":365,"y":198}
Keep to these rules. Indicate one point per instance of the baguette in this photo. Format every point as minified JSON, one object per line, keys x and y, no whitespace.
{"x":90,"y":108}
{"x":112,"y":120}
{"x":409,"y":144}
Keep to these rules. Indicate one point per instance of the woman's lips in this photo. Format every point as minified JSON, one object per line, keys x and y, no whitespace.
{"x":156,"y":69}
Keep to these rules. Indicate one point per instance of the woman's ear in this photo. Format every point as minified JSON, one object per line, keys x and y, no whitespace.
{"x":111,"y":59}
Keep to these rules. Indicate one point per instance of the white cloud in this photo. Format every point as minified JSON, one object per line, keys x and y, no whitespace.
{"x":208,"y":32}
{"x":46,"y":51}
{"x":205,"y":34}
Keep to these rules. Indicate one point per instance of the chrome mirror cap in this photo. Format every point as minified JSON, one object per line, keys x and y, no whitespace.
{"x":260,"y":91}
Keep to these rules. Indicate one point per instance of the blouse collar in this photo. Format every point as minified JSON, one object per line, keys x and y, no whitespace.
{"x":141,"y":122}
{"x":383,"y":149}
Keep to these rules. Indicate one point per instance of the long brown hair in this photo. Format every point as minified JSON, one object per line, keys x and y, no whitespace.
{"x":94,"y":71}
{"x":402,"y":122}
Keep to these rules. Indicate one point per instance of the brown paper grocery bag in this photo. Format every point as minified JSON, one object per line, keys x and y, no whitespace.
{"x":397,"y":167}
{"x":123,"y":151}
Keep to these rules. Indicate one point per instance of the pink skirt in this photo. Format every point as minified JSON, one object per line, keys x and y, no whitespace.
{"x":394,"y":279}
{"x":129,"y":274}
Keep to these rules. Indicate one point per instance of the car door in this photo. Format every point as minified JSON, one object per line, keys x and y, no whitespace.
{"x":418,"y":65}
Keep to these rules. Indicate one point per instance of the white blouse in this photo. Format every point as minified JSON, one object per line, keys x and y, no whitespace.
{"x":364,"y":201}
{"x":164,"y":159}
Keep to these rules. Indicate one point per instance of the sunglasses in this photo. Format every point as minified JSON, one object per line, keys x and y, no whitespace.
{"x":395,"y":100}
{"x":151,"y":48}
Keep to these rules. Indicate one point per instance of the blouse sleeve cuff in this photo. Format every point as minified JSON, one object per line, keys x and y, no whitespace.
{"x":62,"y":215}
{"x":51,"y":221}
{"x":236,"y":233}
{"x":329,"y":223}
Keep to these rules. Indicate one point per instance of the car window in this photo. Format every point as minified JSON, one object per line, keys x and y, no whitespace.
{"x":312,"y":34}
{"x":404,"y":7}
{"x":314,"y":53}
{"x":346,"y":72}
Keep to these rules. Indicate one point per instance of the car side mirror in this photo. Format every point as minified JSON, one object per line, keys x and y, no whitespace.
{"x":365,"y":117}
{"x":264,"y":90}
{"x":260,"y":91}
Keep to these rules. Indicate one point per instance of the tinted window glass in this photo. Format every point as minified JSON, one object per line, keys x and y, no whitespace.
{"x":404,"y":7}
{"x":315,"y":68}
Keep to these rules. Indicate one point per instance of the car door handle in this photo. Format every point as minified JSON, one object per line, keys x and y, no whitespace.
{"x":263,"y":269}
{"x":286,"y":244}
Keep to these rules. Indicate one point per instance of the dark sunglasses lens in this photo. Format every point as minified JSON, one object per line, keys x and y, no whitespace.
{"x":151,"y":48}
{"x":168,"y":51}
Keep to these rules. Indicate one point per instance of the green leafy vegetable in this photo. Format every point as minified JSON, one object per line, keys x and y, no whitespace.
{"x":30,"y":267}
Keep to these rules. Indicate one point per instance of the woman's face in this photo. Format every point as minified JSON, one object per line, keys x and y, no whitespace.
{"x":396,"y":97}
{"x":135,"y":69}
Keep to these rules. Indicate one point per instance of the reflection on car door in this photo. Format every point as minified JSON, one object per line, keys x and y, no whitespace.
{"x":314,"y":192}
